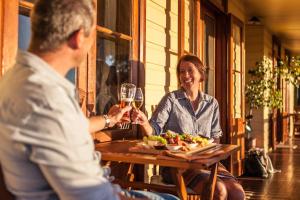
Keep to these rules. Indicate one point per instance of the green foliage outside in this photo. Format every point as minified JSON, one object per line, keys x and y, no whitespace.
{"x":262,"y":90}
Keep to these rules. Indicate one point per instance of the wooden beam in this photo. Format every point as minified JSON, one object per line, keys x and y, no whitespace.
{"x":198,"y":27}
{"x":180,"y":27}
{"x":26,"y":4}
{"x":135,"y":30}
{"x":109,"y":33}
{"x":135,"y":42}
{"x":8,"y":34}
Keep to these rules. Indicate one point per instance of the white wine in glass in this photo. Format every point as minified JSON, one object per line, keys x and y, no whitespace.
{"x":138,"y":100}
{"x":137,"y":104}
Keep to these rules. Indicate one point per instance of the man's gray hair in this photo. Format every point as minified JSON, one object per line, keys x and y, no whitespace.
{"x":54,"y":21}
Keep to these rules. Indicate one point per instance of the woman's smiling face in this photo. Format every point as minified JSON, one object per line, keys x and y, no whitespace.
{"x":189,"y":76}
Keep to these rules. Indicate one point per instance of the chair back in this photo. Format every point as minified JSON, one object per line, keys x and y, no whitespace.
{"x":4,"y":193}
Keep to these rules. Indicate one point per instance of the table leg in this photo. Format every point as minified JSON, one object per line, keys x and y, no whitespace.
{"x":179,"y":182}
{"x":130,"y":174}
{"x":210,"y":190}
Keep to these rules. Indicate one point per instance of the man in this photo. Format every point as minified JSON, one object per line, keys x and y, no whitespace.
{"x":46,"y":150}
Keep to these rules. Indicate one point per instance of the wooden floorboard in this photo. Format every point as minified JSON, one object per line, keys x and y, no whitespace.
{"x":280,"y":186}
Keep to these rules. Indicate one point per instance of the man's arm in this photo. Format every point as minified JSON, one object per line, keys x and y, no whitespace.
{"x":114,"y":115}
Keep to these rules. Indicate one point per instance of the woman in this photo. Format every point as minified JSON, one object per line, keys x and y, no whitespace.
{"x":188,"y":110}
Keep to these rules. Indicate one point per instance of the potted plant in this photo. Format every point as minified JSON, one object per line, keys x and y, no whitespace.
{"x":261,"y":89}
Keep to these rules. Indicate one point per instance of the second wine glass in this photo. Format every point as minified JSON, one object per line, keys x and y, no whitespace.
{"x":138,"y":100}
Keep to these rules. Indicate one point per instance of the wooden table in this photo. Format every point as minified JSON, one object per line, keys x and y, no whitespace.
{"x":119,"y":151}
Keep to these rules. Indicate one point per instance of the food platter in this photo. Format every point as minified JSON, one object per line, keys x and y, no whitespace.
{"x":145,"y":149}
{"x":173,"y":143}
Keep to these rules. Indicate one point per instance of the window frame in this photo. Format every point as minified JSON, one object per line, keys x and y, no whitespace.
{"x":137,"y":57}
{"x":86,"y":72}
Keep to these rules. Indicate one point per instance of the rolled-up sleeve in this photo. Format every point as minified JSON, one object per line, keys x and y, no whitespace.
{"x":216,"y":131}
{"x":161,"y":114}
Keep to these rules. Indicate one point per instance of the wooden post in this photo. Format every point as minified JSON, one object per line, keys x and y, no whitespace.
{"x":180,"y":28}
{"x":8,"y":33}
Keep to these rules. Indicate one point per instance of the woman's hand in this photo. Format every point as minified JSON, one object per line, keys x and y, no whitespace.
{"x":139,"y":117}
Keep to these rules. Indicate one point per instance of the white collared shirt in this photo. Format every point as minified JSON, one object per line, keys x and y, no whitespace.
{"x":46,"y":151}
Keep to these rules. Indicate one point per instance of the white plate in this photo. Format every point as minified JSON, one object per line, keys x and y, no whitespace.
{"x":173,"y":147}
{"x":192,"y":145}
{"x":210,"y":141}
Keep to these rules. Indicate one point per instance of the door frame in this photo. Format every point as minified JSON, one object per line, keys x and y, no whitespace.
{"x":221,"y":80}
{"x":8,"y":33}
{"x":236,"y":128}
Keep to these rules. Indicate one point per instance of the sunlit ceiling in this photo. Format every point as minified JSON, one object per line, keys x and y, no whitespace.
{"x":282,"y":17}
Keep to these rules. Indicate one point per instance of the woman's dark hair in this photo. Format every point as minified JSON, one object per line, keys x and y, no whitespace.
{"x":193,"y":59}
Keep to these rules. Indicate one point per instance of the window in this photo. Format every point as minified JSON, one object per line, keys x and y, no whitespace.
{"x":209,"y":53}
{"x":189,"y":26}
{"x":114,"y":51}
{"x":237,"y":72}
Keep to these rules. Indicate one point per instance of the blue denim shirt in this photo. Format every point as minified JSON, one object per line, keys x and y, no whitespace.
{"x":175,"y":113}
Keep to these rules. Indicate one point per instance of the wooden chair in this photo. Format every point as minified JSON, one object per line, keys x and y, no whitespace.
{"x":4,"y":193}
{"x":296,"y":120}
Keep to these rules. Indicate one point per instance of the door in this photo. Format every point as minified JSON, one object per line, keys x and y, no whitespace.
{"x":215,"y":59}
{"x":236,"y":92}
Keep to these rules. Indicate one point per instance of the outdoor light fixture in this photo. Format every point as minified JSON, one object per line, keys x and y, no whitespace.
{"x":254,"y":20}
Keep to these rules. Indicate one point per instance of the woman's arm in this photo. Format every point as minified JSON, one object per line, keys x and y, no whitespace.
{"x":159,"y":117}
{"x":216,"y":131}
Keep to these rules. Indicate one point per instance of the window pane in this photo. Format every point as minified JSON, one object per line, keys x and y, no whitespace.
{"x":113,"y":69}
{"x":115,"y":15}
{"x":237,"y":67}
{"x":237,"y":59}
{"x":237,"y":101}
{"x":209,"y":54}
{"x":189,"y":24}
{"x":24,"y":32}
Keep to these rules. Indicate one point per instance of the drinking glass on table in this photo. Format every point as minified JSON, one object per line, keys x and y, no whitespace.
{"x":138,"y":100}
{"x":127,"y":94}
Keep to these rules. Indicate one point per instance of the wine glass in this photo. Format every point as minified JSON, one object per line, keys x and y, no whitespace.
{"x":127,"y":94}
{"x":138,"y":100}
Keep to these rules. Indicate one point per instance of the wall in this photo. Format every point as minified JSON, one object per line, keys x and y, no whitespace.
{"x":237,"y":8}
{"x":161,"y":50}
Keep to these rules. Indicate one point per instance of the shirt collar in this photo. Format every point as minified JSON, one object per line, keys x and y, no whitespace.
{"x":181,"y":94}
{"x":28,"y":59}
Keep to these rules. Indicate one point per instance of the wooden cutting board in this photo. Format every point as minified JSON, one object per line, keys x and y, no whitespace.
{"x":149,"y":150}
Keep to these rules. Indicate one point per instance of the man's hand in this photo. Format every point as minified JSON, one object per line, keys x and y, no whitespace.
{"x":116,"y":114}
